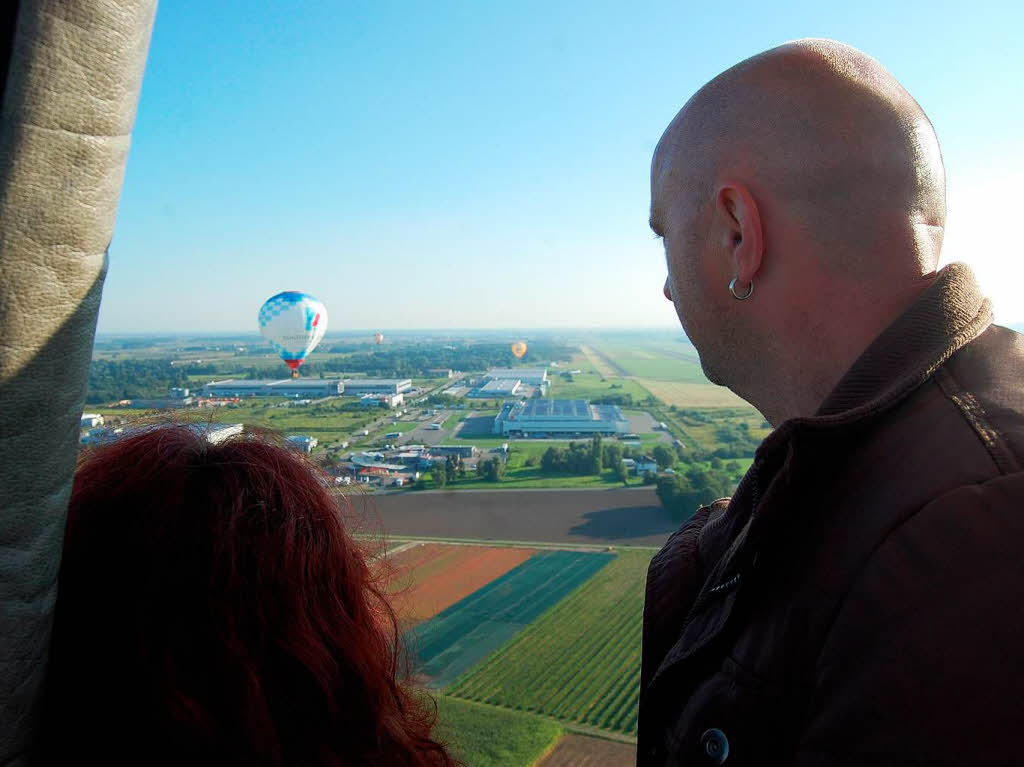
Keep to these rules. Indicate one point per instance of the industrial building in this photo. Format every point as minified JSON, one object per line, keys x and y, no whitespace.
{"x":356,"y":387}
{"x":90,"y":420}
{"x":497,"y":387}
{"x":381,"y":400}
{"x":531,"y":376}
{"x":302,"y":442}
{"x":463,"y":451}
{"x":287,"y":387}
{"x":215,"y":433}
{"x":558,"y":418}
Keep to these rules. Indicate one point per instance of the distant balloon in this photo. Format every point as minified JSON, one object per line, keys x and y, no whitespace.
{"x":519,"y":349}
{"x":378,"y":338}
{"x":293,"y":323}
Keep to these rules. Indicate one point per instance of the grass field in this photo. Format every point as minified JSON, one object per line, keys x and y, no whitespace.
{"x":430,"y":577}
{"x":580,"y":662}
{"x":325,"y":421}
{"x":591,"y":386}
{"x":522,"y":469}
{"x":468,"y":631}
{"x":599,"y":365}
{"x":683,"y":394}
{"x":485,"y":736}
{"x":647,"y":360}
{"x":704,"y":430}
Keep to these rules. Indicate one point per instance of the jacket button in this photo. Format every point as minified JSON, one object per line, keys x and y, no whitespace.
{"x":715,"y":745}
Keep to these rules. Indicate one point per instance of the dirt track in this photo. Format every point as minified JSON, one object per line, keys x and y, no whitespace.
{"x":617,"y":517}
{"x":581,"y":751}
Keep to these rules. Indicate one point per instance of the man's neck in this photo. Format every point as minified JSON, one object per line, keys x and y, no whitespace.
{"x":811,"y":367}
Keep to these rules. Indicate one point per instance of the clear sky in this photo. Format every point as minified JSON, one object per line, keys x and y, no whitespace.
{"x":485,"y":164}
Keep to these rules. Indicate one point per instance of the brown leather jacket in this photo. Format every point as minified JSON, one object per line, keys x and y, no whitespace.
{"x":860,"y":600}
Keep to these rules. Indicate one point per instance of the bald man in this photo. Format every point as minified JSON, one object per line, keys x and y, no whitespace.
{"x":860,"y":599}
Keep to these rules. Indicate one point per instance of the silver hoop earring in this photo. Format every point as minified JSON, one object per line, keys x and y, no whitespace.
{"x":744,"y":297}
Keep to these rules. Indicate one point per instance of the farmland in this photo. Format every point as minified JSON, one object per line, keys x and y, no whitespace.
{"x":485,"y":736}
{"x":464,"y":634}
{"x":620,"y":517}
{"x":430,"y":577}
{"x":580,"y":662}
{"x":582,"y":751}
{"x":683,"y":394}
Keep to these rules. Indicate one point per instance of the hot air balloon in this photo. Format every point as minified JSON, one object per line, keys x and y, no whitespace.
{"x":293,"y":323}
{"x":378,"y":338}
{"x":519,"y":349}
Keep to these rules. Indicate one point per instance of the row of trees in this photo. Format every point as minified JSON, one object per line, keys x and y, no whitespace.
{"x":416,"y":360}
{"x":586,"y":458}
{"x":111,"y":380}
{"x":683,"y":492}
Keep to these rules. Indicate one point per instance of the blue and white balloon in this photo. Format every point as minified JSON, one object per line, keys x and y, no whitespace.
{"x":293,"y":323}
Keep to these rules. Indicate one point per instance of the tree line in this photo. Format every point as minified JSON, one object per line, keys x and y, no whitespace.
{"x":112,"y":380}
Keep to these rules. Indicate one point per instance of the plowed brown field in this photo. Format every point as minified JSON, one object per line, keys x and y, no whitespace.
{"x":430,"y":577}
{"x":583,"y":751}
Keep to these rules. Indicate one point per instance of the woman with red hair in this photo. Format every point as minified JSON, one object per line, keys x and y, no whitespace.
{"x":212,"y":608}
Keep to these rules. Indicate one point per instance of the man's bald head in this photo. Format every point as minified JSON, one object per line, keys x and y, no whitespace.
{"x":824,"y":135}
{"x":810,"y":172}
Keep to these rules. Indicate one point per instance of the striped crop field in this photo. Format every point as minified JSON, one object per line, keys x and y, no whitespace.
{"x":580,"y":662}
{"x":467,"y":632}
{"x":429,"y":577}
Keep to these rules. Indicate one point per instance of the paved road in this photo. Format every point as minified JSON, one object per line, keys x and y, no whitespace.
{"x":616,"y":517}
{"x":421,"y":435}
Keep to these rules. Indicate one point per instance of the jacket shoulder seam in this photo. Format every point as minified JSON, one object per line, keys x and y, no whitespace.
{"x":978,"y":420}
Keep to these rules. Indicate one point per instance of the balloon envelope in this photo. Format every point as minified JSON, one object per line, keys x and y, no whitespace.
{"x":519,"y":349}
{"x":293,"y":323}
{"x":378,"y":337}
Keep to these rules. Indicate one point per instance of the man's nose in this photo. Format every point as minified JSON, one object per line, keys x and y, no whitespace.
{"x":667,"y":290}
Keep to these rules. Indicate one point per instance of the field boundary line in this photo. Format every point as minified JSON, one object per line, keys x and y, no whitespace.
{"x":573,"y":727}
{"x":608,"y":547}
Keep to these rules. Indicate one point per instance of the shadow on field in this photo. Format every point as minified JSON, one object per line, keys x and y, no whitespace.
{"x":477,"y":426}
{"x":626,"y":522}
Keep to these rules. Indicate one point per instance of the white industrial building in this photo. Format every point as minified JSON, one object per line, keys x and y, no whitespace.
{"x":286,"y":387}
{"x":356,"y":387}
{"x":559,"y":418}
{"x":90,"y":420}
{"x":303,"y":443}
{"x":497,"y":387}
{"x":215,"y":433}
{"x":381,"y":400}
{"x":531,"y":376}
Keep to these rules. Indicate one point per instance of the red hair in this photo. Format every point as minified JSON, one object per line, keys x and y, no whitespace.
{"x":212,"y":607}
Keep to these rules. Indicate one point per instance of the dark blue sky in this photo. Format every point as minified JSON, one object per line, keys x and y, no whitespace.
{"x":486,"y":164}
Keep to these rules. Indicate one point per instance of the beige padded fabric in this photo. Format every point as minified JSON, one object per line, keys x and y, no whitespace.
{"x":68,"y":109}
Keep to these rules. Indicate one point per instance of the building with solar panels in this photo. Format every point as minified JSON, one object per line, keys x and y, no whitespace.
{"x":563,"y":418}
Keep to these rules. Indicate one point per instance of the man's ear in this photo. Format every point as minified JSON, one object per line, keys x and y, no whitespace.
{"x":741,"y":230}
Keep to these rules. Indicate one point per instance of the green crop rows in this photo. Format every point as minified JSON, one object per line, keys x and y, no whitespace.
{"x":580,"y":662}
{"x":457,"y":638}
{"x":485,"y":736}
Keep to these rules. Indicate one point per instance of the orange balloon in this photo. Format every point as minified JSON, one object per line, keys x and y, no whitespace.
{"x":378,"y":337}
{"x":519,"y":349}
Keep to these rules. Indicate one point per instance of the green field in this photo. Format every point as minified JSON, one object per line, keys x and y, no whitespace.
{"x":580,"y":662}
{"x":486,"y":736}
{"x":588,"y":385}
{"x":467,"y":632}
{"x":662,"y":361}
{"x":523,"y":471}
